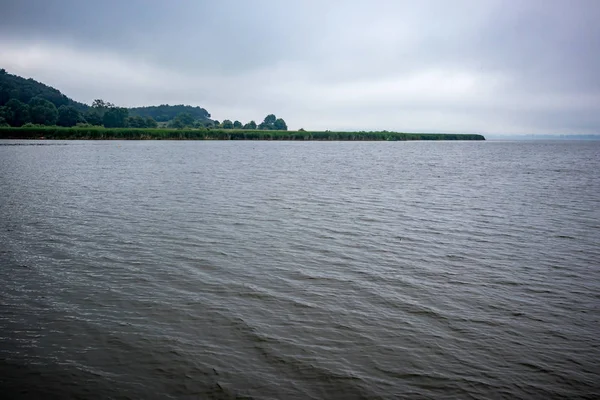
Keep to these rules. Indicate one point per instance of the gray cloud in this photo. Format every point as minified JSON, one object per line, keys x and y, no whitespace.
{"x":462,"y":66}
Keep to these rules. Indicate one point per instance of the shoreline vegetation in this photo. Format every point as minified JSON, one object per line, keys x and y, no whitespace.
{"x":33,"y":110}
{"x":100,"y":133}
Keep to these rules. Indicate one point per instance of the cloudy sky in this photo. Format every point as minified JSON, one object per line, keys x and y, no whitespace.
{"x":508,"y":66}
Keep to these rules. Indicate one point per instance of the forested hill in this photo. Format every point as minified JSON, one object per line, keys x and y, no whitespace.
{"x":165,"y":112}
{"x":16,"y":87}
{"x":25,"y":102}
{"x":22,"y":89}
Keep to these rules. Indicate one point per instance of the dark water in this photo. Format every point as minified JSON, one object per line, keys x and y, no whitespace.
{"x":300,"y":270}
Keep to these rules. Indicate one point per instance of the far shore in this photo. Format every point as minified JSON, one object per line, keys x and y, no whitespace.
{"x":100,"y":133}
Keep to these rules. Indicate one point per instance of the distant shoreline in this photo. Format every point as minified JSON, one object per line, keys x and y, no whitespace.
{"x":532,"y":138}
{"x":99,"y":133}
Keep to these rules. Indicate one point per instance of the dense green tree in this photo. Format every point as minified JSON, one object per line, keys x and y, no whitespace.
{"x":227,"y":124}
{"x":42,"y":112}
{"x":115,"y":117}
{"x":280,"y":125}
{"x":250,"y":125}
{"x":6,"y":114}
{"x":187,"y":118}
{"x":165,"y":112}
{"x":237,"y":124}
{"x":16,"y":113}
{"x":102,"y":105}
{"x":216,"y":123}
{"x":265,"y":126}
{"x":95,"y":114}
{"x":93,"y":117}
{"x":68,"y":116}
{"x":207,"y":123}
{"x":151,"y":123}
{"x":272,"y":122}
{"x":177,"y":124}
{"x":136,"y":122}
{"x":182,"y":120}
{"x":270,"y":119}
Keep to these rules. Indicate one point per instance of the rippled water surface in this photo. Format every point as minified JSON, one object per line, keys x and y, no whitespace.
{"x":283,"y":270}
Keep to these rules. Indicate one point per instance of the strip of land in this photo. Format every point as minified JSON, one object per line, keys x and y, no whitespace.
{"x":99,"y":133}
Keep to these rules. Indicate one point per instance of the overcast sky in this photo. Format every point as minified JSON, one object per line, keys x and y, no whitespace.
{"x":510,"y":66}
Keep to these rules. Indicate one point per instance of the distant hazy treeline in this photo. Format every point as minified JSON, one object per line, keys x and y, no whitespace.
{"x":95,"y":133}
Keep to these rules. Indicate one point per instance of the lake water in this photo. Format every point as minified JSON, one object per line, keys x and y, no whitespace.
{"x":300,"y":270}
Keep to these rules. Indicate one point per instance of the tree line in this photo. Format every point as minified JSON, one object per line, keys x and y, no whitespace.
{"x":166,"y":112}
{"x":99,"y":133}
{"x":26,"y":102}
{"x":16,"y":87}
{"x":39,"y":111}
{"x":185,"y":120}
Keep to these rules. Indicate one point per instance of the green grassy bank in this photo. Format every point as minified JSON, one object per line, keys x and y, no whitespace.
{"x":214,"y":134}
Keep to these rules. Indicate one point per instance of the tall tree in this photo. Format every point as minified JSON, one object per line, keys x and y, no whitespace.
{"x":95,"y":114}
{"x":227,"y":124}
{"x":250,"y":125}
{"x":115,"y":117}
{"x":68,"y":116}
{"x":42,"y":112}
{"x":269,"y":123}
{"x":182,"y":120}
{"x":6,"y":114}
{"x":16,"y":113}
{"x":93,"y":117}
{"x":136,"y":122}
{"x":237,"y":125}
{"x":270,"y":119}
{"x":280,"y":125}
{"x":186,"y":118}
{"x":151,"y":123}
{"x":102,"y":105}
{"x":177,"y":124}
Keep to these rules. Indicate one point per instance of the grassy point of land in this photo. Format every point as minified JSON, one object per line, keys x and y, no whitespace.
{"x":100,"y":133}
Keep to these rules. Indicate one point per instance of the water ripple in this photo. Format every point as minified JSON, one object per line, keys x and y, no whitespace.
{"x":299,"y":270}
